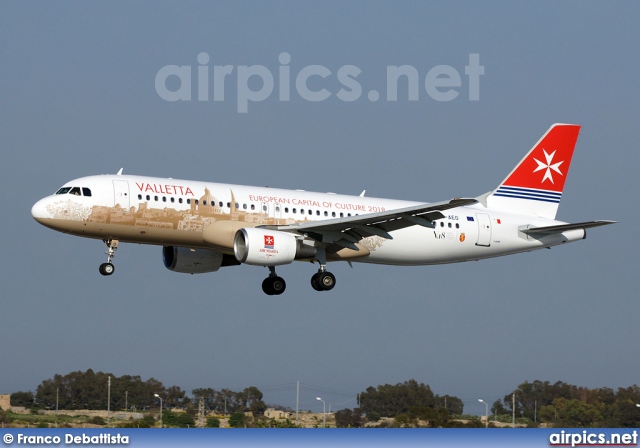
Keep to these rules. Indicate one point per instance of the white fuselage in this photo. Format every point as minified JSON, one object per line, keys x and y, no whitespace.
{"x":171,"y":212}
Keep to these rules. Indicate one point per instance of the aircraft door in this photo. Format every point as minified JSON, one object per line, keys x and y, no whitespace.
{"x":484,"y":230}
{"x":271,"y":210}
{"x":121,"y":194}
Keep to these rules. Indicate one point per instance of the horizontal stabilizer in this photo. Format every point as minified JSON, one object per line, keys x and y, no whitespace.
{"x":548,"y":230}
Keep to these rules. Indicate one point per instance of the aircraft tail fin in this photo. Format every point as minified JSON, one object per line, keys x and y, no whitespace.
{"x":535,"y":185}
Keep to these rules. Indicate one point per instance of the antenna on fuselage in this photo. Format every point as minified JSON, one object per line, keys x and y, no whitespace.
{"x":362,"y":194}
{"x":119,"y":173}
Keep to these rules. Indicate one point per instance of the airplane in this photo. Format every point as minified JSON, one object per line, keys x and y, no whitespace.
{"x":204,"y":226}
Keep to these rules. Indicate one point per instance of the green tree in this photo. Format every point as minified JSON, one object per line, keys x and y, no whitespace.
{"x":237,"y":420}
{"x":498,"y":409}
{"x":373,"y":416}
{"x":453,"y":405}
{"x":89,"y":390}
{"x":176,"y":397}
{"x":349,"y":418}
{"x":24,"y":399}
{"x":392,"y":400}
{"x":213,"y":422}
{"x":177,"y":419}
{"x":253,"y":400}
{"x":572,"y":413}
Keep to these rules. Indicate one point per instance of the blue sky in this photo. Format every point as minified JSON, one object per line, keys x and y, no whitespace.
{"x":78,"y":95}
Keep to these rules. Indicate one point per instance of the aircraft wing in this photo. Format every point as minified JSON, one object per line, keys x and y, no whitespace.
{"x":345,"y":232}
{"x":547,"y":230}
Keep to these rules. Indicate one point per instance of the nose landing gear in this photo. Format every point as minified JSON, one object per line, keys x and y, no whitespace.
{"x":108,"y":268}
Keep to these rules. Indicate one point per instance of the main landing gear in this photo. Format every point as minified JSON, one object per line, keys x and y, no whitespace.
{"x":273,"y":285}
{"x":322,"y":280}
{"x":108,"y":268}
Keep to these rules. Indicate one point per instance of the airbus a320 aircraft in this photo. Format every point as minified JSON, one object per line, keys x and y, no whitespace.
{"x":204,"y":226}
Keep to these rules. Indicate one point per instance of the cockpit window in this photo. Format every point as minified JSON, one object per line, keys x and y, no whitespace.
{"x":86,"y":191}
{"x":63,"y":190}
{"x":75,"y":191}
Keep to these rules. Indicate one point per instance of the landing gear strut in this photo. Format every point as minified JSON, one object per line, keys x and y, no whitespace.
{"x":323,"y":280}
{"x":273,"y":285}
{"x":108,"y":268}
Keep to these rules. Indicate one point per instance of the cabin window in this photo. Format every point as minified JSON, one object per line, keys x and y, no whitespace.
{"x":180,"y":200}
{"x":204,"y":202}
{"x":164,"y":199}
{"x":139,"y":197}
{"x":294,"y":210}
{"x":326,"y":213}
{"x":286,"y":209}
{"x":333,"y":214}
{"x":253,"y":206}
{"x":173,"y":199}
{"x":86,"y":191}
{"x":277,"y":209}
{"x":449,"y":225}
{"x":148,"y":198}
{"x":244,"y":206}
{"x":264,"y":208}
{"x":457,"y":226}
{"x":341,"y":215}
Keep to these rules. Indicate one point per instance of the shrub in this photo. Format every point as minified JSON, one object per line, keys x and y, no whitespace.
{"x":97,"y":421}
{"x":236,"y":420}
{"x":213,"y":422}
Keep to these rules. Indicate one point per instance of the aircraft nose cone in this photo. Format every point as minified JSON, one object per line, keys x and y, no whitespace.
{"x":39,"y":210}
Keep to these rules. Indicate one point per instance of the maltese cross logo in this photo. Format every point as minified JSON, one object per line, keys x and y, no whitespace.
{"x":548,"y":166}
{"x":268,"y":241}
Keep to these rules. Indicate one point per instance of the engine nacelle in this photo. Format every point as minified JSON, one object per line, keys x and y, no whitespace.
{"x":261,"y":247}
{"x":192,"y":261}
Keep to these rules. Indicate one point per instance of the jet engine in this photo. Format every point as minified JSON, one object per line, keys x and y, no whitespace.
{"x":262,"y":247}
{"x":194,"y":261}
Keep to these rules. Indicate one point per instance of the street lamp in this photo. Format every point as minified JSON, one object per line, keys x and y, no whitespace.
{"x":324,"y":412}
{"x":158,"y":396}
{"x":486,"y":414}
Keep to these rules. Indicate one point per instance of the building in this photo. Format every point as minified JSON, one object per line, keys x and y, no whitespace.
{"x":273,"y":413}
{"x":5,"y":402}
